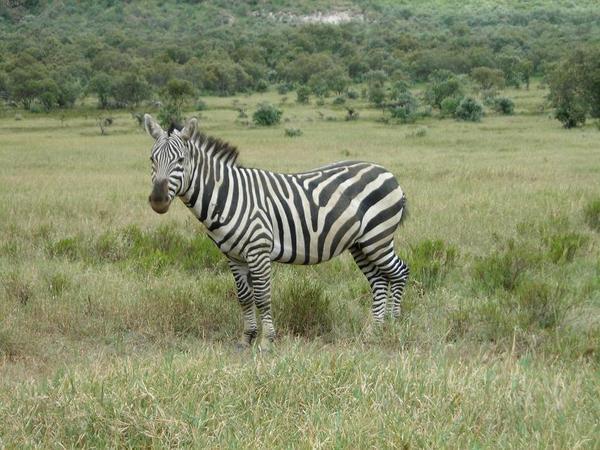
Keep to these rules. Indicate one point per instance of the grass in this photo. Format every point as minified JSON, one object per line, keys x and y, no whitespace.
{"x":117,"y":325}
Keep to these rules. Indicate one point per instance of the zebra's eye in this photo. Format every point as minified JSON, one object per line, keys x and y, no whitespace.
{"x":180,"y":160}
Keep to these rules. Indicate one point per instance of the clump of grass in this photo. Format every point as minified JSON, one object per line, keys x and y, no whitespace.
{"x":563,"y":246}
{"x":69,"y":248}
{"x":150,"y":251}
{"x":293,"y":132}
{"x":418,"y":132}
{"x":17,"y":288}
{"x":430,"y":261}
{"x":505,"y":268}
{"x":538,"y":304}
{"x":303,"y":308}
{"x":591,"y":214}
{"x":58,"y":283}
{"x":205,"y":308}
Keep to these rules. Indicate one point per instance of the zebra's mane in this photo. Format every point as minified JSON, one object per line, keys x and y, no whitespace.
{"x":216,"y":148}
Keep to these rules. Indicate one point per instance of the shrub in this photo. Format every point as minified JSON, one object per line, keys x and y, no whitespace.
{"x":320,"y":101}
{"x":351,"y":114}
{"x":449,"y":105}
{"x":262,"y":85}
{"x":571,"y":114}
{"x":303,"y":95}
{"x":504,"y":269}
{"x":339,"y":100}
{"x":442,"y":84}
{"x":201,"y":105}
{"x":469,"y":110}
{"x":418,"y":132}
{"x":430,"y":261}
{"x":352,"y":94}
{"x":267,"y":115}
{"x":537,"y":304}
{"x":591,"y":214}
{"x":563,"y":246}
{"x":504,"y":105}
{"x":303,"y":307}
{"x":293,"y":132}
{"x":17,"y":288}
{"x":405,"y":107}
{"x":283,"y":88}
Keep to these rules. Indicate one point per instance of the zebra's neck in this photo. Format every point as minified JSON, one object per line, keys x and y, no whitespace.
{"x":215,"y":190}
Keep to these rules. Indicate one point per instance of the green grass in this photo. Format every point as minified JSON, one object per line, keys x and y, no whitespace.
{"x":117,"y":325}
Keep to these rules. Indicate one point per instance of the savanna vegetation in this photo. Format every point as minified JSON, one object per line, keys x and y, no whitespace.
{"x":55,"y":53}
{"x":117,"y":325}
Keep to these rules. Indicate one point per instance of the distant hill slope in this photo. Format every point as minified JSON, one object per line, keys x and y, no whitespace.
{"x":223,"y":47}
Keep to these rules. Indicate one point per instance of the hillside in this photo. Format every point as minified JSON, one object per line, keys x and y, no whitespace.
{"x":56,"y":52}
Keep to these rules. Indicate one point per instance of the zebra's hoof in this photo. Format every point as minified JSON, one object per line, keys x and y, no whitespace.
{"x":241,"y":346}
{"x":266,"y":346}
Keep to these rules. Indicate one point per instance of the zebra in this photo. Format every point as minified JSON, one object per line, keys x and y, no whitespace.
{"x":256,"y":217}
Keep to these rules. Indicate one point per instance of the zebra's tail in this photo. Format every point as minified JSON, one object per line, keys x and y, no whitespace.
{"x":403,"y":209}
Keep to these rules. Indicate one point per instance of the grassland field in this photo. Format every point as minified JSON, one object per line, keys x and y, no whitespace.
{"x":117,"y":325}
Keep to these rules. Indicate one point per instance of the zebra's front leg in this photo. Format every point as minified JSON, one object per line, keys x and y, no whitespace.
{"x":260,"y":272}
{"x":245,"y":296}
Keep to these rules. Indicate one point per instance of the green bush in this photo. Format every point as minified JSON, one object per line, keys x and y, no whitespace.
{"x":262,"y":85}
{"x":267,"y":115}
{"x":504,"y":269}
{"x":284,"y":88}
{"x":571,"y":113}
{"x":352,"y":94}
{"x":538,"y":304}
{"x":340,"y":100}
{"x":449,"y":105}
{"x":351,"y":114}
{"x":469,"y":110}
{"x":504,"y":105}
{"x":563,"y":246}
{"x":201,"y":105}
{"x":303,"y":95}
{"x":405,"y":107}
{"x":430,"y":261}
{"x":303,"y":308}
{"x":293,"y":132}
{"x":591,"y":214}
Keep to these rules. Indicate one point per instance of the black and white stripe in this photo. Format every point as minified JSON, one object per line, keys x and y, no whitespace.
{"x":256,"y":217}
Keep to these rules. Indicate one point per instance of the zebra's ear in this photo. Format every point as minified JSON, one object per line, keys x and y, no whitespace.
{"x":152,"y":127}
{"x":190,"y":129}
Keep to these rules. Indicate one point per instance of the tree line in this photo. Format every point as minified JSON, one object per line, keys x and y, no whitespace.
{"x":53,"y":53}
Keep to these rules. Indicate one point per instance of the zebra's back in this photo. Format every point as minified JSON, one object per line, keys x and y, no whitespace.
{"x":318,"y":214}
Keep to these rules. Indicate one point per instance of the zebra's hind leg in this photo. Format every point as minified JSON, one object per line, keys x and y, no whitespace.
{"x":393,"y":268}
{"x":260,"y":272}
{"x":379,"y":283}
{"x":245,"y":296}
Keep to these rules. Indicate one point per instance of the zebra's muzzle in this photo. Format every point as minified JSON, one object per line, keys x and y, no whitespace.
{"x":159,"y":198}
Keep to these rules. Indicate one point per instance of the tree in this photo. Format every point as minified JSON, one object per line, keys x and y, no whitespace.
{"x":487,"y":78}
{"x":442,"y":84}
{"x":129,"y":90}
{"x":24,"y":85}
{"x":48,"y":93}
{"x":174,"y":95}
{"x":377,"y":95}
{"x":302,"y":94}
{"x":101,"y":85}
{"x":575,"y":87}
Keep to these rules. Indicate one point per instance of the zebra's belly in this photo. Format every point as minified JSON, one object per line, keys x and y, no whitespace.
{"x":300,"y":243}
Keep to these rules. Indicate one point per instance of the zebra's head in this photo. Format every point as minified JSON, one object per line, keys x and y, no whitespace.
{"x":170,"y":162}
